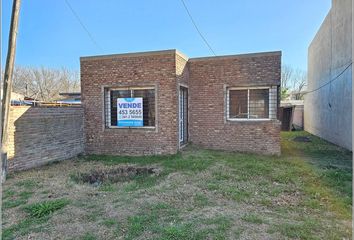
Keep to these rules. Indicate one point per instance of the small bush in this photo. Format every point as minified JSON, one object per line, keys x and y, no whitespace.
{"x":42,"y":209}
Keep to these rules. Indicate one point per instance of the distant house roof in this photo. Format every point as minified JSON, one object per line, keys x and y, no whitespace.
{"x":17,"y":96}
{"x":14,"y":96}
{"x":69,"y":98}
{"x":70,"y":94}
{"x":69,"y":101}
{"x":285,"y":103}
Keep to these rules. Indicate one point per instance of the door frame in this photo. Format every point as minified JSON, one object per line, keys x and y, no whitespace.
{"x":184,"y":141}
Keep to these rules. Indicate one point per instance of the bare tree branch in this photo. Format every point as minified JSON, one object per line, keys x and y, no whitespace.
{"x":293,"y":82}
{"x":43,"y":83}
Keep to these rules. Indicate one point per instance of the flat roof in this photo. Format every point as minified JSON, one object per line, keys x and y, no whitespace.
{"x":244,"y":55}
{"x":135,"y":54}
{"x":175,"y":51}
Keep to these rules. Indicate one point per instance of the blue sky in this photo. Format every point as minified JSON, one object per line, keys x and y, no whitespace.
{"x":49,"y":34}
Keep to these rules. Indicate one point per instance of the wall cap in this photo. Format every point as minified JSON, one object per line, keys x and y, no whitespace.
{"x":134,"y":54}
{"x":235,"y":56}
{"x":179,"y":53}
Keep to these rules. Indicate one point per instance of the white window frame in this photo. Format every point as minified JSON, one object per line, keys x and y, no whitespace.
{"x":270,"y":112}
{"x":107,"y":106}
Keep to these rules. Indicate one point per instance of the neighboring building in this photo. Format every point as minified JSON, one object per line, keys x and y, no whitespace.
{"x":291,"y":115}
{"x":17,"y":96}
{"x":328,"y":103}
{"x":295,"y":95}
{"x":69,"y":98}
{"x":225,"y":102}
{"x":18,"y":99}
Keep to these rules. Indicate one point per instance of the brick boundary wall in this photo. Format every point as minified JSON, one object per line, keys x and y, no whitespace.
{"x":40,"y":135}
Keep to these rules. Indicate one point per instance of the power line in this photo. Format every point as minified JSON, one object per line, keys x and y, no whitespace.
{"x":340,"y":74}
{"x":83,"y":25}
{"x":196,"y":27}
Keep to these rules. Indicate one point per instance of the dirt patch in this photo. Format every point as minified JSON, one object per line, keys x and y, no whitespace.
{"x":302,"y":139}
{"x":119,"y":174}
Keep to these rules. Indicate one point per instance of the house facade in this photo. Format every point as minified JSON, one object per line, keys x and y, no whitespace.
{"x":156,"y":102}
{"x":328,"y":101}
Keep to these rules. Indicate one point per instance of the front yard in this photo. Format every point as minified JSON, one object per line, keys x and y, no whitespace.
{"x":197,"y":194}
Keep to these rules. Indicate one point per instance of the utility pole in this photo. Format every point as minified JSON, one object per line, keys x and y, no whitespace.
{"x":7,"y":85}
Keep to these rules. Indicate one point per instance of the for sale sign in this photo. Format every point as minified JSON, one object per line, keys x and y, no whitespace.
{"x":130,"y":112}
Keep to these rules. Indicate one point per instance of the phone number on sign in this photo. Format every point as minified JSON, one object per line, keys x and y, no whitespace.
{"x":124,"y":112}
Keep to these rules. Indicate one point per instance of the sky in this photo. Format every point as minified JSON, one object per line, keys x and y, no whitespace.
{"x":50,"y":35}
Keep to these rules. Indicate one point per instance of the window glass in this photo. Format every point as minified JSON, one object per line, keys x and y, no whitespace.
{"x":238,"y":104}
{"x":115,"y":94}
{"x":259,"y":103}
{"x":147,"y":95}
{"x":249,"y":104}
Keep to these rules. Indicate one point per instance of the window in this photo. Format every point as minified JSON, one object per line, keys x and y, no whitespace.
{"x":251,"y":103}
{"x":148,"y":105}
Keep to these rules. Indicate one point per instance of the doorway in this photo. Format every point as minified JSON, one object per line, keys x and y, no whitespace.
{"x":183,"y":116}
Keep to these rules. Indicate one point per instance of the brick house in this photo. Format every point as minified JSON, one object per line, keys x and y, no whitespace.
{"x":224,"y":102}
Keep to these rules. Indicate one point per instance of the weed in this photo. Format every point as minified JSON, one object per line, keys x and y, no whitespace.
{"x":42,"y":209}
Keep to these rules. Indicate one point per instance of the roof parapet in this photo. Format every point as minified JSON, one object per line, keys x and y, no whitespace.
{"x":246,"y":55}
{"x":133,"y":54}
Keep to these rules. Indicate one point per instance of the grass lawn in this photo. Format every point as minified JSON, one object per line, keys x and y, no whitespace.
{"x":305,"y":193}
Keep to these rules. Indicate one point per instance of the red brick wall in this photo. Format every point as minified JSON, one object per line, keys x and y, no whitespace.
{"x":142,"y":69}
{"x":206,"y":79}
{"x":209,"y":79}
{"x":39,"y":135}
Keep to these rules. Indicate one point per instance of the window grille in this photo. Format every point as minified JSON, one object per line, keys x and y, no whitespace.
{"x":251,"y":103}
{"x":111,"y":96}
